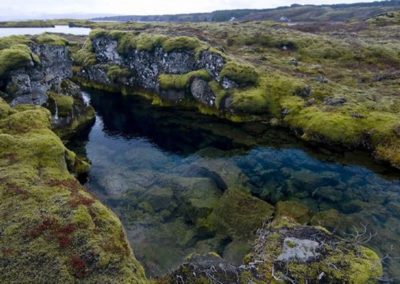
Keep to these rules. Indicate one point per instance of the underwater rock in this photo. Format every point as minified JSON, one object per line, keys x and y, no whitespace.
{"x":295,"y":210}
{"x":239,"y":214}
{"x":329,"y":219}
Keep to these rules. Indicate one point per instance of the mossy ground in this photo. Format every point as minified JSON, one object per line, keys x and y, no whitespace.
{"x":51,"y":226}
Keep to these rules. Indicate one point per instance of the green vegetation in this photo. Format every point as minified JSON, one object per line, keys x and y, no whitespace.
{"x":341,"y":261}
{"x":126,"y":43}
{"x":181,"y":81}
{"x":149,"y":42}
{"x":182,"y":42}
{"x":240,"y":73}
{"x":85,"y":56}
{"x":14,"y":57}
{"x":51,"y":225}
{"x":49,"y":39}
{"x":115,"y":71}
{"x":63,"y":103}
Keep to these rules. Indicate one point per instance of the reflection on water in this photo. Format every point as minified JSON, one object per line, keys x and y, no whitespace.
{"x":63,"y":29}
{"x":166,"y":171}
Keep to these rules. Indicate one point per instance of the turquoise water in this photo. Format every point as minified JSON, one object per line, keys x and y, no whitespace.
{"x":64,"y":29}
{"x":164,"y":171}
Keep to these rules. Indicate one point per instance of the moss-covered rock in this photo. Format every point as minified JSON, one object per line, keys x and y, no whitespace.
{"x":49,"y":39}
{"x":15,"y":57}
{"x":288,"y":253}
{"x":52,"y":229}
{"x":181,"y":81}
{"x":238,"y":214}
{"x":182,"y":42}
{"x":240,"y":73}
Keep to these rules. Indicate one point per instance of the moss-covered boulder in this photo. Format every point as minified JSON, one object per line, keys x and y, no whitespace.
{"x":52,"y":230}
{"x":290,"y":253}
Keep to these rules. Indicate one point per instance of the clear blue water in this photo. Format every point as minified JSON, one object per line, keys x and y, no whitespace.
{"x":64,"y":29}
{"x":163,"y":170}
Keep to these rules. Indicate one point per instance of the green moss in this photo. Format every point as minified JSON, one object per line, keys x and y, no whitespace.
{"x":240,"y":73}
{"x":64,"y":104}
{"x":149,"y":41}
{"x":181,"y":81}
{"x":7,"y":42}
{"x":49,"y":39}
{"x":182,"y":42}
{"x":5,"y":109}
{"x":53,"y":226}
{"x":17,"y":56}
{"x":126,"y":43}
{"x":218,"y":91}
{"x":115,"y":71}
{"x":97,"y":33}
{"x":85,"y":56}
{"x":238,"y":214}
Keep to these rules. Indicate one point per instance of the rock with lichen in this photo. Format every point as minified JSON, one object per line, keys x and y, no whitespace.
{"x":287,"y":252}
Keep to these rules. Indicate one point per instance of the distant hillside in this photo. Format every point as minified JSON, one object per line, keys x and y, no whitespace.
{"x":294,"y":13}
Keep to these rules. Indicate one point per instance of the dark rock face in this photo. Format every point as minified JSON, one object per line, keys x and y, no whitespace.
{"x":30,"y":85}
{"x":202,"y":92}
{"x":212,"y":62}
{"x":146,"y":66}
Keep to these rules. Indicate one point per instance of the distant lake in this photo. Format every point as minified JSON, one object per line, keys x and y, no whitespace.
{"x":35,"y":31}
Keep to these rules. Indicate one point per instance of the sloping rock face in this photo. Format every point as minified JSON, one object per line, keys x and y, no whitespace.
{"x":52,"y":230}
{"x":145,"y":67}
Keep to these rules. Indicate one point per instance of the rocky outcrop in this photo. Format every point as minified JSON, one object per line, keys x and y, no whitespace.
{"x":144,"y":68}
{"x":30,"y":85}
{"x":45,"y":81}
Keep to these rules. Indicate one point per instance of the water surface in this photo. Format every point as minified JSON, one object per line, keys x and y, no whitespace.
{"x":64,"y":29}
{"x":165,"y":171}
